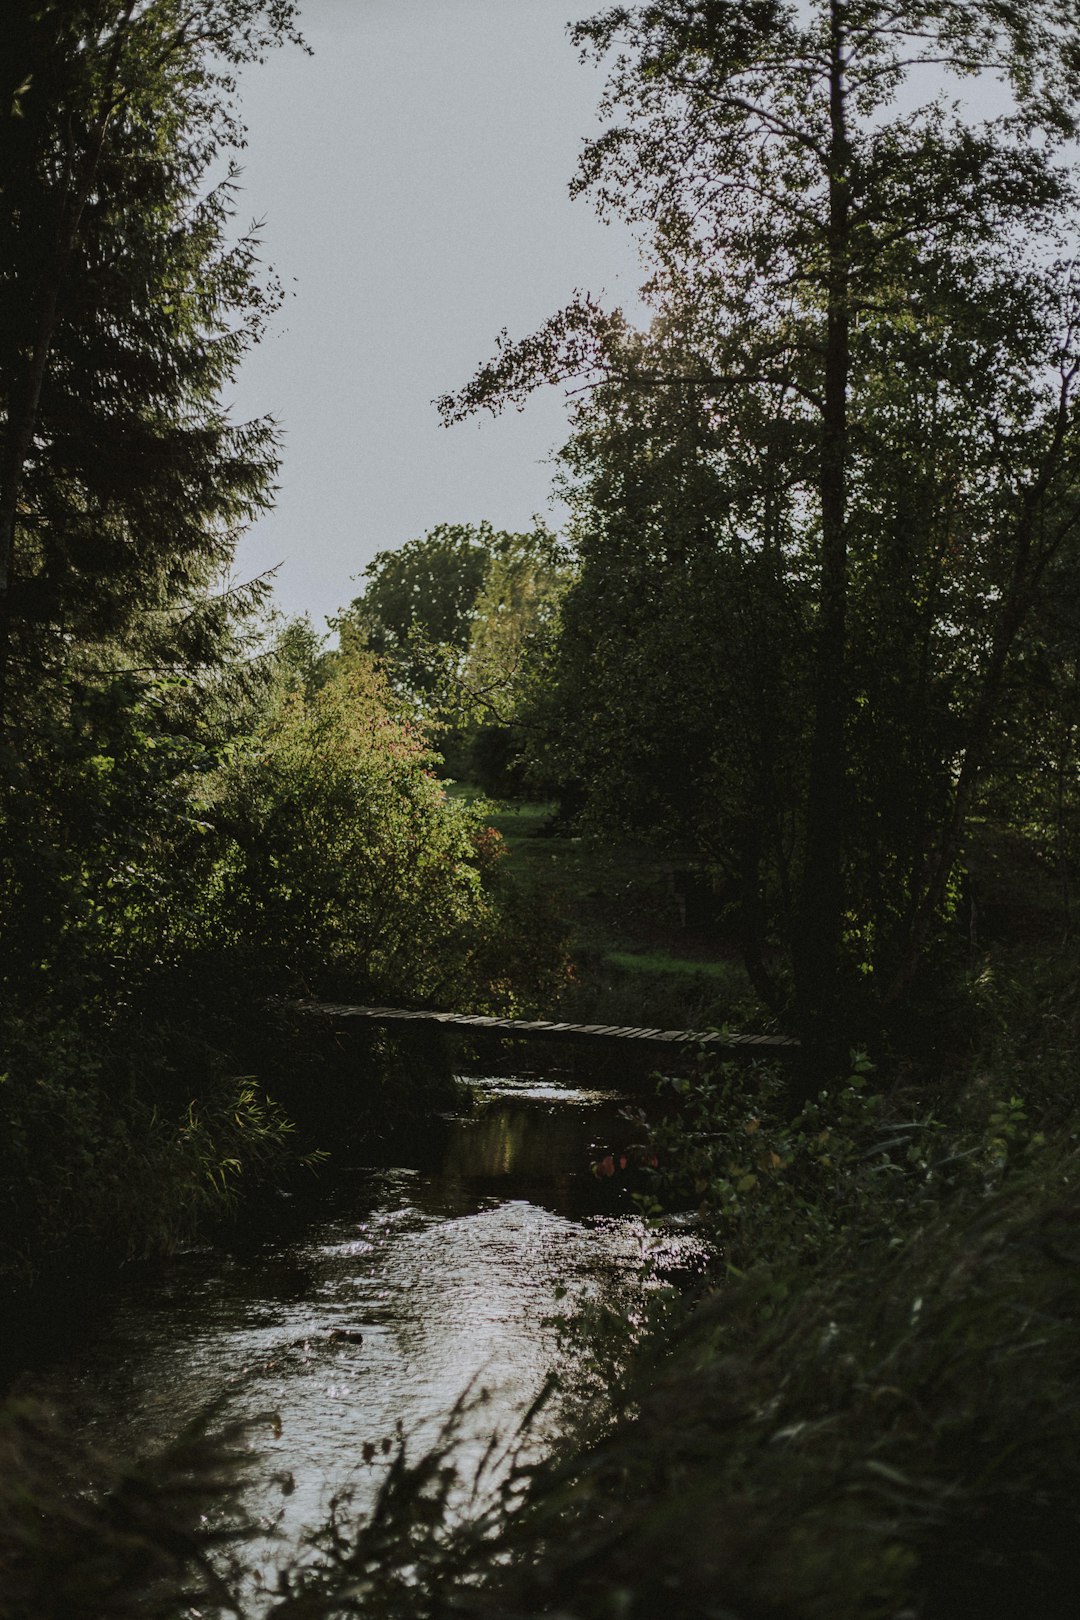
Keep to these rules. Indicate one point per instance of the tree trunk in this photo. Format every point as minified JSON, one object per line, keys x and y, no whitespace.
{"x":819,"y":921}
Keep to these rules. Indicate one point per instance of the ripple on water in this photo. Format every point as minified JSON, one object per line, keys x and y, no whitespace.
{"x":452,"y":1276}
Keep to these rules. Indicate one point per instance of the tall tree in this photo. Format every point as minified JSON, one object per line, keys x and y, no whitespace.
{"x":450,"y":612}
{"x":671,"y":700}
{"x":126,"y":305}
{"x":803,"y":236}
{"x":419,"y":599}
{"x":124,"y":309}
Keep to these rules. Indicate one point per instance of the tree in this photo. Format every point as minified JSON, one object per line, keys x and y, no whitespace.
{"x":512,"y":612}
{"x":125,"y":307}
{"x":124,"y":310}
{"x":670,"y":705}
{"x":856,"y":297}
{"x":419,"y":599}
{"x":345,"y":869}
{"x":457,"y":617}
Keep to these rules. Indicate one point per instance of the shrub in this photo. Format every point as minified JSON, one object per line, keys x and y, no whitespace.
{"x":106,"y":1154}
{"x":347,"y":870}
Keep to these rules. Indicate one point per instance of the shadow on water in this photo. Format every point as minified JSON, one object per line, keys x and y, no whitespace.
{"x":380,"y":1304}
{"x":530,"y":1139}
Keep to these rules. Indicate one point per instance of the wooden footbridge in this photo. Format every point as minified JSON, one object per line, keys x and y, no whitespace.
{"x":773,"y":1046}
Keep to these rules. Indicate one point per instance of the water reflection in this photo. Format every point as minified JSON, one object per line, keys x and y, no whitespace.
{"x":540,"y":1138}
{"x":451,"y":1274}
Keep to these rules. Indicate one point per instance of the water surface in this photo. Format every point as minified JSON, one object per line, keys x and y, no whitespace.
{"x":451,"y":1269}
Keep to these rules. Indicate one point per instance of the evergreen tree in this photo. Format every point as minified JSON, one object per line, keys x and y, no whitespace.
{"x":125,"y":308}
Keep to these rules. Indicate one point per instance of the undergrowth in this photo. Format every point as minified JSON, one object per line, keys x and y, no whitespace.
{"x":137,"y":1140}
{"x":112,"y":1150}
{"x":867,"y":1409}
{"x":85,"y":1535}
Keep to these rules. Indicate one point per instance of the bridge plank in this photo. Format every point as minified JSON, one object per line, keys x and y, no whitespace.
{"x":779,"y":1045}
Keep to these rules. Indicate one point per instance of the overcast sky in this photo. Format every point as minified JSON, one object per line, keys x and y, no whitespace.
{"x":413,"y":176}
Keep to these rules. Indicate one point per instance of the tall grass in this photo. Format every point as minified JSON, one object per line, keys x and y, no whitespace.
{"x":85,"y":1536}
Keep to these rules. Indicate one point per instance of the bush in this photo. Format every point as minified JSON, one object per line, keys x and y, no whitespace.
{"x":107,"y":1154}
{"x":346,"y":869}
{"x":84,"y":1535}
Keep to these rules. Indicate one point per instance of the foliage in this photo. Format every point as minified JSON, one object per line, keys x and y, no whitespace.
{"x":459,"y":618}
{"x":123,"y":643}
{"x":823,"y":610}
{"x":193,"y":814}
{"x":636,"y":926}
{"x":673,"y":706}
{"x":127,"y":308}
{"x":512,"y":612}
{"x":107,"y":844}
{"x":844,"y":1441}
{"x":847,"y":443}
{"x":124,"y":1145}
{"x":127,"y":304}
{"x":865,"y":1411}
{"x":133,"y":1537}
{"x":346,"y":869}
{"x":429,"y":1523}
{"x":418,"y":599}
{"x":197,"y":850}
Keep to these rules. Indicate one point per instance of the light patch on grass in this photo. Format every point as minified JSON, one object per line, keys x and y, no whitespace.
{"x":522,"y":820}
{"x":660,"y":962}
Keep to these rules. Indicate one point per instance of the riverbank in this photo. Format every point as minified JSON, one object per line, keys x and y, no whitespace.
{"x":137,"y":1142}
{"x":869,"y":1411}
{"x":402,"y":1287}
{"x":872,"y":1412}
{"x":644,"y":933}
{"x":865,"y":1411}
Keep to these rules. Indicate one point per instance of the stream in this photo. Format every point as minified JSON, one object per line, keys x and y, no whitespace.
{"x":379,"y":1304}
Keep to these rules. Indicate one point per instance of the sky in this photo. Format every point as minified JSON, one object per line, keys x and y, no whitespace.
{"x":413,"y":177}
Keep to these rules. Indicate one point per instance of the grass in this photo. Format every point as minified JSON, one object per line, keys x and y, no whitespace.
{"x":729,"y":973}
{"x":869,"y":1412}
{"x":893,"y":1433}
{"x":634,"y":959}
{"x":157,"y":1538}
{"x":872,"y":1410}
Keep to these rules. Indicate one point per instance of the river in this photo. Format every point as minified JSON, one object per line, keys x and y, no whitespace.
{"x":379,"y":1303}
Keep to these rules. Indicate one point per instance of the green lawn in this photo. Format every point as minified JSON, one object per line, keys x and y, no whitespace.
{"x":635,"y":961}
{"x":658,"y":962}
